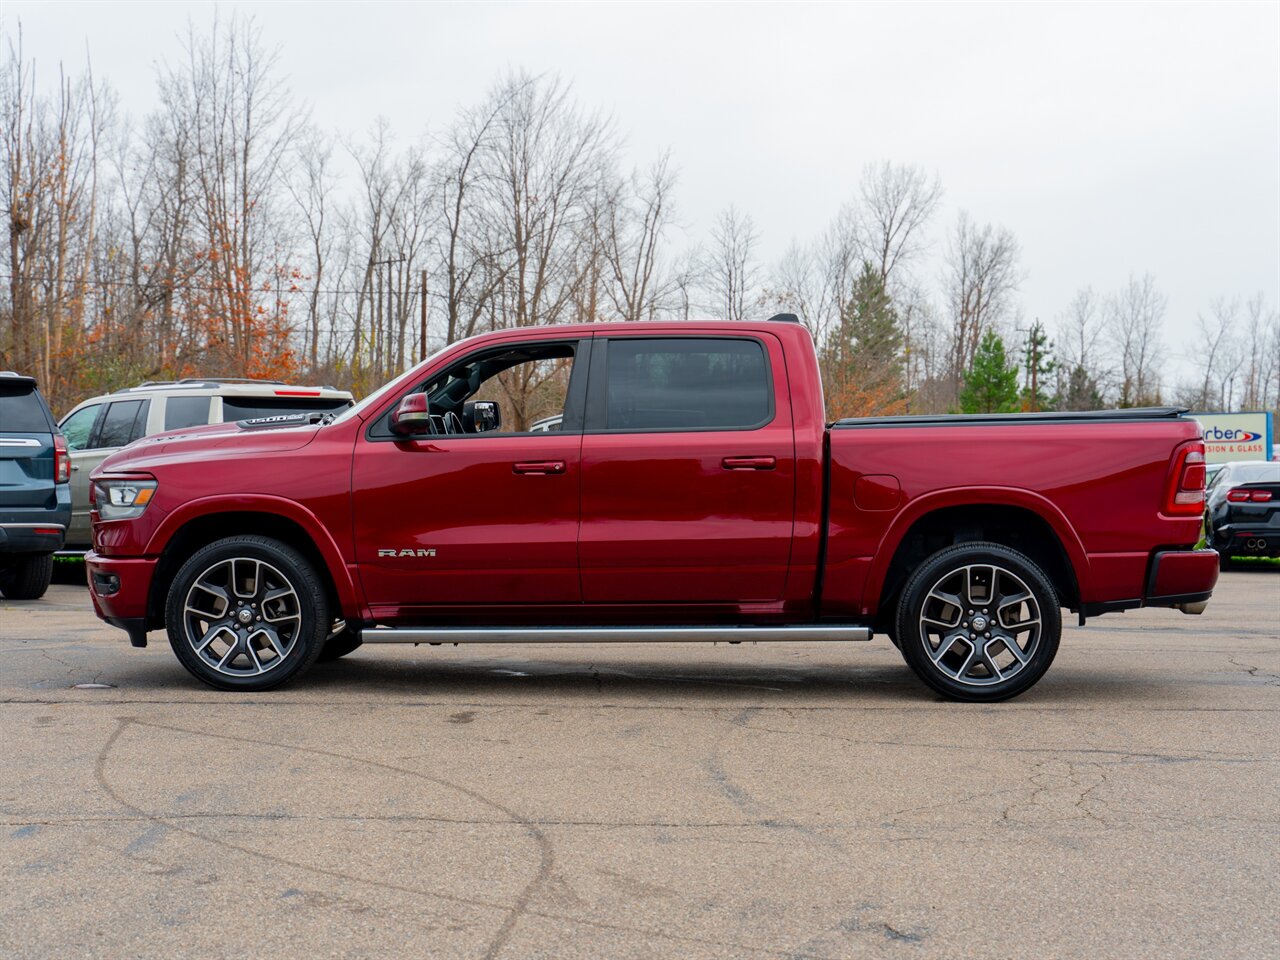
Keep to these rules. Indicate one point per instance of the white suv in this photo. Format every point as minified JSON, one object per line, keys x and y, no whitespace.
{"x":102,"y":425}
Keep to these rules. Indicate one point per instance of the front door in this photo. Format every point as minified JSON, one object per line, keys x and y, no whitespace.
{"x":464,"y":517}
{"x":688,"y":471}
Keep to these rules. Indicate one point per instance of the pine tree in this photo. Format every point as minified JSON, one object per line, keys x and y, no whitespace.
{"x":991,"y":385}
{"x":1082,"y":391}
{"x":862,"y":363}
{"x":1039,"y":364}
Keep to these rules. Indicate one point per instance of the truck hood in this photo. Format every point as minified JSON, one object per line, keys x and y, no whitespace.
{"x":242,"y":438}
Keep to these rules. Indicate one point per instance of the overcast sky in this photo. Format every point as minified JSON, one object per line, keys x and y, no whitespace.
{"x":1110,"y":138}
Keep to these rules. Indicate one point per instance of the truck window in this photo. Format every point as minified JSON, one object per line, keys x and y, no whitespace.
{"x":180,"y":412}
{"x":77,"y":427}
{"x":686,"y":383}
{"x":125,"y":422}
{"x":531,"y":384}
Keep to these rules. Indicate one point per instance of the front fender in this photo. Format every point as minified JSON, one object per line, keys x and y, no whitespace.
{"x":349,"y":597}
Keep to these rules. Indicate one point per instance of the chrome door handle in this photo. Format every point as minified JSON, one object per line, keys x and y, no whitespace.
{"x":539,"y":467}
{"x":749,"y":463}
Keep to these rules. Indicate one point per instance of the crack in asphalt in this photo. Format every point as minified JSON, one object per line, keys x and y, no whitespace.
{"x":1266,"y":676}
{"x":513,"y":912}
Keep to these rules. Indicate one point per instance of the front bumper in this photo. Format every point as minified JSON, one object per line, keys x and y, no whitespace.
{"x":121,"y":590}
{"x":1181,"y":578}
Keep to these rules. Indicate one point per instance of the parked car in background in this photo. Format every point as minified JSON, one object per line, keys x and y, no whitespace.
{"x":100,"y":426}
{"x":547,"y":424}
{"x":1242,"y":511}
{"x":35,"y":495}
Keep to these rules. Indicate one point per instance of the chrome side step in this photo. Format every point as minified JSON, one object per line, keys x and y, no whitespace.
{"x":610,"y":634}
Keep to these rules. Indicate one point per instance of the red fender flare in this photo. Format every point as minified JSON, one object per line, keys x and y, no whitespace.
{"x":927,"y":503}
{"x":349,"y":598}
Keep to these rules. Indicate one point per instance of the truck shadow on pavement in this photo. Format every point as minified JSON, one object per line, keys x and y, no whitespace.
{"x":652,"y":681}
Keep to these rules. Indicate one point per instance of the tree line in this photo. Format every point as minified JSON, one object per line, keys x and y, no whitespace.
{"x":228,"y":234}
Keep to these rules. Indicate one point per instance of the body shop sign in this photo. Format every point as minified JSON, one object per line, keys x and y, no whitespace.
{"x":1236,"y":436}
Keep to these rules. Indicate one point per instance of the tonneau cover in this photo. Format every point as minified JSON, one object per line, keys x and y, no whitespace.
{"x":1055,"y":416}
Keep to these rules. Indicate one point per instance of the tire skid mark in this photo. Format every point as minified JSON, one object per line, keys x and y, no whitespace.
{"x":512,"y":911}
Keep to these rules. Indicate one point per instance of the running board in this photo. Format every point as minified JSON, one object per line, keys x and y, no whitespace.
{"x":609,"y":634}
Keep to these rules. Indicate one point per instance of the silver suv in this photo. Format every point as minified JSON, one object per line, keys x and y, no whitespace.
{"x":100,"y":426}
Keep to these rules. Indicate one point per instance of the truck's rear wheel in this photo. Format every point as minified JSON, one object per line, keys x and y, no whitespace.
{"x":979,"y":622}
{"x":247,"y":613}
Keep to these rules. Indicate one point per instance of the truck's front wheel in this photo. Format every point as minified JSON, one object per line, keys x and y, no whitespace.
{"x":247,"y":613}
{"x":979,"y":622}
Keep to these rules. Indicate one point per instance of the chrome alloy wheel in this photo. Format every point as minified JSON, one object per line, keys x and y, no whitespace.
{"x":242,"y":617}
{"x":980,"y":625}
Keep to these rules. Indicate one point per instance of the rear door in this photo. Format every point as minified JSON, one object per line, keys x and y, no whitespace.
{"x":26,"y":453}
{"x":688,"y":471}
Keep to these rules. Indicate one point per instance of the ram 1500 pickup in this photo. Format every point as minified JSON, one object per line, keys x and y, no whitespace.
{"x":691,"y":490}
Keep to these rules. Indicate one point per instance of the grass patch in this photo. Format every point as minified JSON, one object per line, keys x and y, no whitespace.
{"x":1257,"y":562}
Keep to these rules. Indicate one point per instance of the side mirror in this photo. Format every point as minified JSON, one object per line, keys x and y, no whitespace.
{"x":482,"y":416}
{"x":411,"y":418}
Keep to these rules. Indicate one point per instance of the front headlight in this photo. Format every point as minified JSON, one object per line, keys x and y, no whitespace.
{"x":122,"y":499}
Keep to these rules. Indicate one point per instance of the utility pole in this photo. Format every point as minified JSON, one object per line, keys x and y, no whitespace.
{"x":382,"y":350}
{"x":1034,"y":351}
{"x":422,"y":326}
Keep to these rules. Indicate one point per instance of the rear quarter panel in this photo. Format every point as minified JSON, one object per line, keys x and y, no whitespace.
{"x":1099,"y":486}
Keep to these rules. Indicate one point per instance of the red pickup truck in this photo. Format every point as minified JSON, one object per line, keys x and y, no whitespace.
{"x":690,"y":490}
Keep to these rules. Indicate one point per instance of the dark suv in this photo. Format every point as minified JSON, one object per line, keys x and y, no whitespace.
{"x":35,"y":489}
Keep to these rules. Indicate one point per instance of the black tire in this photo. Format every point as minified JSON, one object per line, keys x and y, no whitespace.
{"x":1224,"y":561}
{"x":339,"y":645}
{"x":27,"y":577}
{"x":301,"y":632}
{"x":962,"y":680}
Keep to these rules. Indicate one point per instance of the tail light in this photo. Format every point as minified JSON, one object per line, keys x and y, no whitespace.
{"x":1185,"y":496}
{"x":1241,"y":495}
{"x":61,"y":459}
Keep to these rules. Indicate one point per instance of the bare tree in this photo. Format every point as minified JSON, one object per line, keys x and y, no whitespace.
{"x":1218,"y":357}
{"x":242,"y":124}
{"x":1261,"y":346}
{"x":468,"y":258}
{"x":795,"y":287}
{"x":731,"y":266}
{"x":635,"y":215}
{"x":981,"y":280}
{"x":897,"y":203}
{"x":1134,"y":317}
{"x":312,"y":187}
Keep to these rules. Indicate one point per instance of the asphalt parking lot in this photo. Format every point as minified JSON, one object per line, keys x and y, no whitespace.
{"x":786,"y":800}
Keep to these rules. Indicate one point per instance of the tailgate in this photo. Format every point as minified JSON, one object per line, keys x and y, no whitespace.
{"x":26,"y":472}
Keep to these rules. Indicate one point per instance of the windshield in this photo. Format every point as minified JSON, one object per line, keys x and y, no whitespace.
{"x":375,"y":398}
